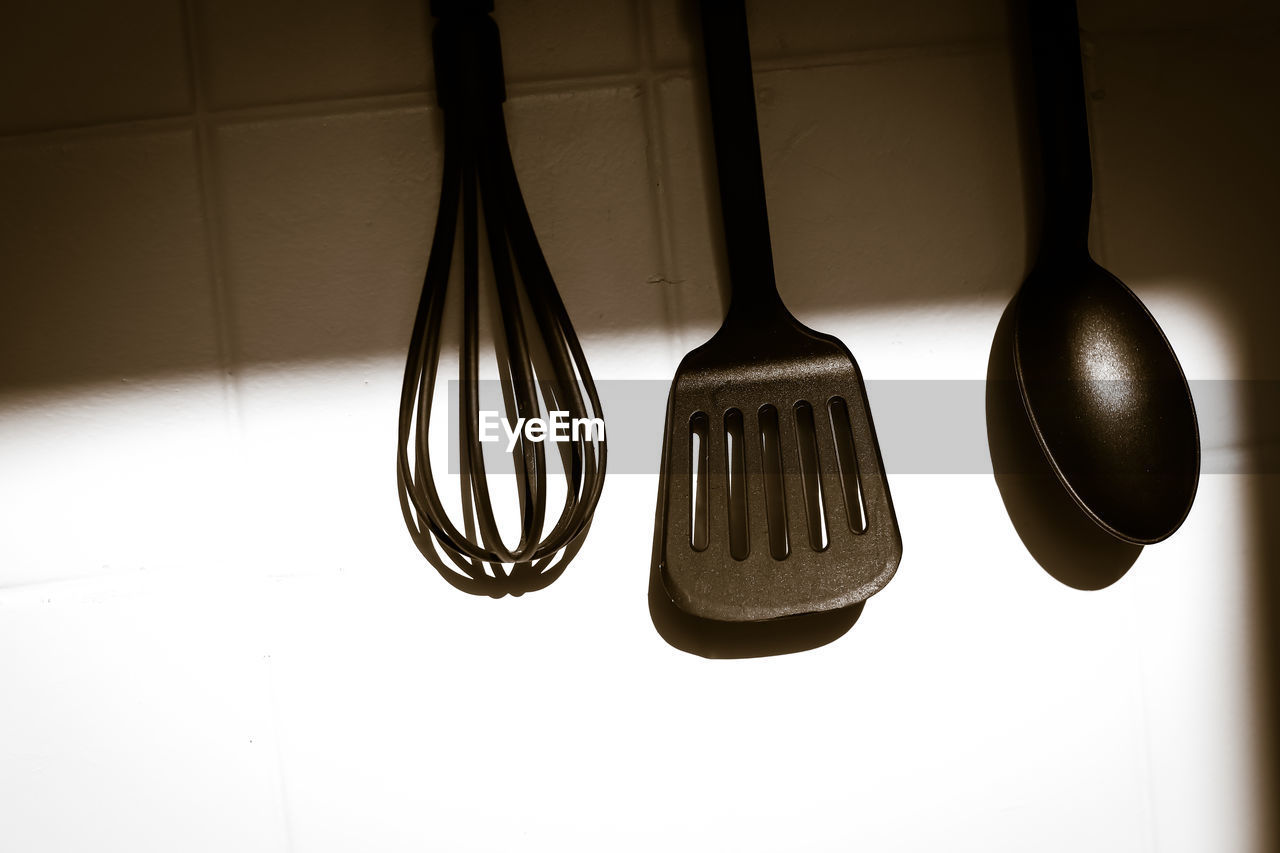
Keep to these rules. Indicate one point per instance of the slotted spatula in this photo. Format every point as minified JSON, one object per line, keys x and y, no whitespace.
{"x":774,"y":499}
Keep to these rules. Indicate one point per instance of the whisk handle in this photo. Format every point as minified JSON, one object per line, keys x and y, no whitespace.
{"x":467,"y":54}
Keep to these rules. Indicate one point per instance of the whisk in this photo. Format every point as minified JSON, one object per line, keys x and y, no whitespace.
{"x":542,"y":358}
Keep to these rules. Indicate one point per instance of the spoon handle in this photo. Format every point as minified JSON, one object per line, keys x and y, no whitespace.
{"x":1058,"y":76}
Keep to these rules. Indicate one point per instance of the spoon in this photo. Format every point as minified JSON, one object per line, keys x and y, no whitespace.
{"x":1102,"y":389}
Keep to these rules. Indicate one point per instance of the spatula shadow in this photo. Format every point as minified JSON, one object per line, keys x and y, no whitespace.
{"x":710,"y":638}
{"x":1062,"y":539}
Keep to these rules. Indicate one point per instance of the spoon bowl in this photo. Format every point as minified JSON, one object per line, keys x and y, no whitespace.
{"x":1106,"y":399}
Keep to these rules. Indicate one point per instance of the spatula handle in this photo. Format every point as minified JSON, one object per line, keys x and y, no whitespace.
{"x":737,"y":146}
{"x":1058,"y":75}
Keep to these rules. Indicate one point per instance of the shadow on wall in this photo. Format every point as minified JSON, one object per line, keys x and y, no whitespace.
{"x":260,"y":233}
{"x":299,"y":233}
{"x":1189,"y":172}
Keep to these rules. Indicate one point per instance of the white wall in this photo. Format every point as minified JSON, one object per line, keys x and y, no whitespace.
{"x":215,"y":633}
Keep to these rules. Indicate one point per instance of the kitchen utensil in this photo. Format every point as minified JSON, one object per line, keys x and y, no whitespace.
{"x":1101,"y":386}
{"x":775,"y":501}
{"x":542,"y":357}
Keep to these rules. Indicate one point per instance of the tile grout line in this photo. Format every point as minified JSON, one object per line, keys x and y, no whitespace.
{"x":1092,"y":83}
{"x":123,"y":127}
{"x":570,"y":83}
{"x":223,"y":307}
{"x":649,"y":72}
{"x":207,"y":181}
{"x":656,"y":164}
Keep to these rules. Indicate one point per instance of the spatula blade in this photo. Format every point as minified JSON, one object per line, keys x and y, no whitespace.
{"x":841,"y":542}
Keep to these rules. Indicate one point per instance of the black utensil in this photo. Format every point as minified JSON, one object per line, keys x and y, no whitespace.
{"x":538,"y":357}
{"x":1102,"y":389}
{"x":775,"y":501}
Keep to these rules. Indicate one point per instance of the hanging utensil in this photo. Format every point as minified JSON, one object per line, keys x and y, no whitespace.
{"x":538,"y":356}
{"x":775,"y":500}
{"x":1100,"y":385}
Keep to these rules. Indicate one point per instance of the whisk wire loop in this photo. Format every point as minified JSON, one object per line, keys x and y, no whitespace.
{"x":540,"y":359}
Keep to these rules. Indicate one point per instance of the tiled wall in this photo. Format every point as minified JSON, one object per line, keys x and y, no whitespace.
{"x":231,"y":242}
{"x":214,"y":632}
